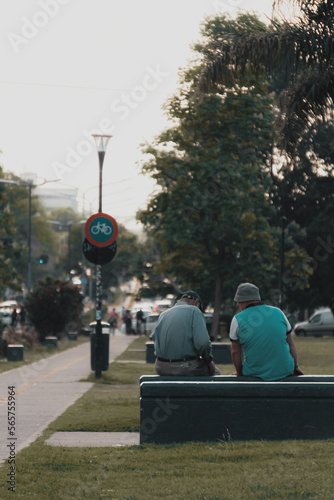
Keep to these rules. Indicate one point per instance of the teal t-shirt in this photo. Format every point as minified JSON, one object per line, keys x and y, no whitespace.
{"x":262,"y":330}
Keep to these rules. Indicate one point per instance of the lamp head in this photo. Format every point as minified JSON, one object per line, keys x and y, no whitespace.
{"x":101,"y":141}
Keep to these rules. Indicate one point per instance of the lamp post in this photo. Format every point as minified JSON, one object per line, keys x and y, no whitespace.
{"x":101,"y":142}
{"x":29,"y":239}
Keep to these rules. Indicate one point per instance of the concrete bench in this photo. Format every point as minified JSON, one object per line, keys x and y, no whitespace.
{"x":221,"y":353}
{"x":228,"y":408}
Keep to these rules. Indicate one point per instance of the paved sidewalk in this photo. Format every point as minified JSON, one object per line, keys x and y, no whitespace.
{"x":44,"y":390}
{"x":93,"y":439}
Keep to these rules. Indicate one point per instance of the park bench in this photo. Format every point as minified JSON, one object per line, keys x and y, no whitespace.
{"x":221,"y":353}
{"x":229,"y":408}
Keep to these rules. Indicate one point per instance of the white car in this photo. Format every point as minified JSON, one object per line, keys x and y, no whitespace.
{"x":320,"y":323}
{"x":150,"y":323}
{"x":5,"y":317}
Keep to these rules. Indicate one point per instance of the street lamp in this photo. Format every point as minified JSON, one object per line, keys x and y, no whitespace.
{"x":101,"y":142}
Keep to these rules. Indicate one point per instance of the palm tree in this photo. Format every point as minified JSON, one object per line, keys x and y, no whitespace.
{"x":302,"y":51}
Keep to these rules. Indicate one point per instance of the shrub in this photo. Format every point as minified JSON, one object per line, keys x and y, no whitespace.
{"x":25,"y":335}
{"x":52,"y":305}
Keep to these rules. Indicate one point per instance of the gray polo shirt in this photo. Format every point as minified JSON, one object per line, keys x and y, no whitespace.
{"x":181,"y":332}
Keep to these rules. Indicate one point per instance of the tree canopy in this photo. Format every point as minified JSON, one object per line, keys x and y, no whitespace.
{"x":302,"y":50}
{"x":211,"y":215}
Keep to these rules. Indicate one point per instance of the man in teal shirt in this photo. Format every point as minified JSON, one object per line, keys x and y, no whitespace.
{"x":264,"y":334}
{"x":181,"y":341}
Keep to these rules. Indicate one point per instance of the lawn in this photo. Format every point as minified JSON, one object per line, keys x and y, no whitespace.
{"x":223,"y":470}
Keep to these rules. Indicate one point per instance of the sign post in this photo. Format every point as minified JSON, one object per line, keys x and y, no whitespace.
{"x":99,"y":247}
{"x":101,"y":141}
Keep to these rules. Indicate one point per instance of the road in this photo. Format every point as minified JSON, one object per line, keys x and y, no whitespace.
{"x":43,"y":391}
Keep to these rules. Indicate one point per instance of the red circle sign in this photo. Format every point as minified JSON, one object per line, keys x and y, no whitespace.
{"x":101,"y":230}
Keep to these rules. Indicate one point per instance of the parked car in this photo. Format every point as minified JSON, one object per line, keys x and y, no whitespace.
{"x":150,"y":322}
{"x":6,"y":309}
{"x":5,"y":317}
{"x":320,"y":323}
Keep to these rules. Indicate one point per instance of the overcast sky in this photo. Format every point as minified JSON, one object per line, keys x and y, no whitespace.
{"x":73,"y":67}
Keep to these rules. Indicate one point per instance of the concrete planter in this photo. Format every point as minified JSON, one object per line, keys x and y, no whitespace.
{"x":86,"y":332}
{"x":51,"y":342}
{"x":15,"y":352}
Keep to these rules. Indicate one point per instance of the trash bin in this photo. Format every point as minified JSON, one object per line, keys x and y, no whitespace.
{"x":150,"y":356}
{"x":105,"y":345}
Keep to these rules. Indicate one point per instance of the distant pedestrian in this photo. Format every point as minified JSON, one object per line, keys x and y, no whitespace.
{"x":140,"y":321}
{"x":22,"y":316}
{"x":128,"y":322}
{"x":14,"y":318}
{"x":113,"y":320}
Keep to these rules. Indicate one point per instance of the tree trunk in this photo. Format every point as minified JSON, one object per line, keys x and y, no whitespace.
{"x":217,"y":306}
{"x":331,"y":304}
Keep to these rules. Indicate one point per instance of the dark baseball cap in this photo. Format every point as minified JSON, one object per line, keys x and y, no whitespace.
{"x":192,"y":296}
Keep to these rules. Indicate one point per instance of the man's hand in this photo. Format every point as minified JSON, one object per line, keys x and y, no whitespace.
{"x":297,"y":371}
{"x":212,"y":368}
{"x":236,"y":374}
{"x":236,"y":357}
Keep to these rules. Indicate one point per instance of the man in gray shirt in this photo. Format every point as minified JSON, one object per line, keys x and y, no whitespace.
{"x":181,"y":340}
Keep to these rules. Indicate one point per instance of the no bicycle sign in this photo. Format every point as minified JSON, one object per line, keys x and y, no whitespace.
{"x":101,"y":229}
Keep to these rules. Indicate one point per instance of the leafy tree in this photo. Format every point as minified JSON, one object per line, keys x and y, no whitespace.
{"x":306,"y":192}
{"x":14,"y":233}
{"x":68,"y":229}
{"x":42,"y":238}
{"x":211,"y":214}
{"x":154,"y":283}
{"x":302,"y":50}
{"x":9,"y":276}
{"x":54,"y":307}
{"x":128,"y":262}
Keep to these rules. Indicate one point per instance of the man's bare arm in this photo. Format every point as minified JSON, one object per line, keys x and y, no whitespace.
{"x":236,"y":357}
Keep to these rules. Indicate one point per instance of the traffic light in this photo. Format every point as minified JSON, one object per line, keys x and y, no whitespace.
{"x":43,"y":259}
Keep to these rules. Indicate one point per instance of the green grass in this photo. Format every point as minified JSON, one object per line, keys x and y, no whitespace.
{"x":293,"y":470}
{"x":136,"y":351}
{"x":39,"y":351}
{"x":315,"y":356}
{"x":286,"y":470}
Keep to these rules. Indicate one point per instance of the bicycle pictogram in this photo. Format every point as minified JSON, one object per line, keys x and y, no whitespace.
{"x":101,"y":228}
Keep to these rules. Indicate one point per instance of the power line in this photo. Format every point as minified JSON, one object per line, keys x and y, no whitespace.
{"x":76,"y":87}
